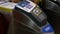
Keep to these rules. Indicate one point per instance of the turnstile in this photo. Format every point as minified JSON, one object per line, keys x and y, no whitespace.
{"x":52,"y":11}
{"x":28,"y":18}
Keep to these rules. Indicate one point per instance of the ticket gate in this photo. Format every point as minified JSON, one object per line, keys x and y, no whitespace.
{"x":28,"y":18}
{"x":5,"y":15}
{"x":52,"y":11}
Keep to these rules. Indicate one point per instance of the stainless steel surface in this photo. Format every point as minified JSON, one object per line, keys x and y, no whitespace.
{"x":26,"y":21}
{"x":22,"y":24}
{"x":52,"y":6}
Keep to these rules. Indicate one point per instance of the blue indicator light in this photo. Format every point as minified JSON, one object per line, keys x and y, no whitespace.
{"x":47,"y":29}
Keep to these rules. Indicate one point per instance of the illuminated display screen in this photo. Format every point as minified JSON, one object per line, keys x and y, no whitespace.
{"x":23,"y":3}
{"x":26,"y":5}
